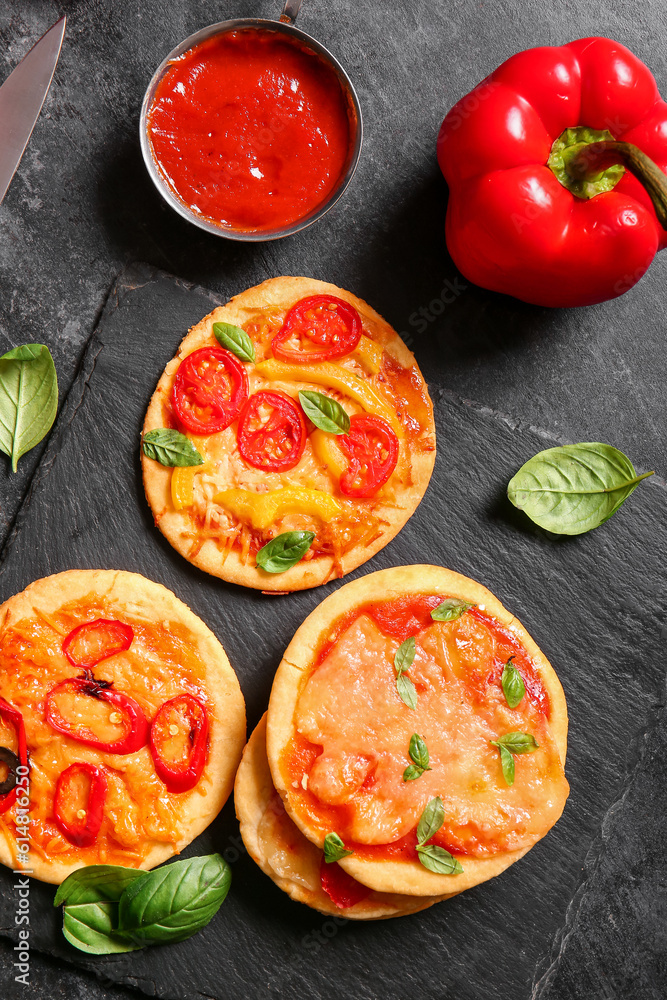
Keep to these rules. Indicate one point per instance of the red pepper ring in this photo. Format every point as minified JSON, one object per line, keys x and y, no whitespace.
{"x":84,"y":833}
{"x":372,"y":451}
{"x":210,"y":387}
{"x":320,"y":319}
{"x":180,"y":775}
{"x":277,"y":443}
{"x":136,"y":724}
{"x":342,"y":889}
{"x":13,"y":715}
{"x":90,"y":643}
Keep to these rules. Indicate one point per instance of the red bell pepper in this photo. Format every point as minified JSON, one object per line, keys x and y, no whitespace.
{"x":556,"y":170}
{"x":180,"y":774}
{"x":342,"y":889}
{"x":88,"y":644}
{"x":12,"y":715}
{"x":129,"y":710}
{"x":84,"y":832}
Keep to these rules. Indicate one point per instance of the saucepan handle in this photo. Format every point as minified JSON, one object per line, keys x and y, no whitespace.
{"x":290,"y":11}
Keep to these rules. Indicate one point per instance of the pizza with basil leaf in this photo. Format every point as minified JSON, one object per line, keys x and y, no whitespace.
{"x":290,"y":438}
{"x":121,"y":724}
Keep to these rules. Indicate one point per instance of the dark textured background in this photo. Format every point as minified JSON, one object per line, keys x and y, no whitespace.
{"x":81,"y":207}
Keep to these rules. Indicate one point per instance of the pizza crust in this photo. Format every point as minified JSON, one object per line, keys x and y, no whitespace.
{"x":279,"y":293}
{"x":396,"y":876}
{"x":254,"y":795}
{"x":135,"y":597}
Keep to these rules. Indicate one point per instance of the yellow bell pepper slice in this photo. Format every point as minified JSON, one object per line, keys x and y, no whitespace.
{"x":369,"y":353}
{"x":335,"y":377}
{"x":262,"y":509}
{"x":327,"y":451}
{"x":183,"y":484}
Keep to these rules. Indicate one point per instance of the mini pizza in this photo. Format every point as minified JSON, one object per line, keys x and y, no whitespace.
{"x":121,"y":724}
{"x":415,"y":724}
{"x":290,"y":439}
{"x":296,"y":865}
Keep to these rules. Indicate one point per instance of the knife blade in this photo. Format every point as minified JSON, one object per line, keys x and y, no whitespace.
{"x":21,"y":98}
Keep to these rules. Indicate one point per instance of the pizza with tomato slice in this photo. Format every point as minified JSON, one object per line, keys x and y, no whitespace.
{"x":290,"y":439}
{"x":296,"y":865}
{"x":121,"y":724}
{"x":415,"y":724}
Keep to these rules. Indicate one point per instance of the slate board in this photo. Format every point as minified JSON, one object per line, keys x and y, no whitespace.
{"x":594,"y":604}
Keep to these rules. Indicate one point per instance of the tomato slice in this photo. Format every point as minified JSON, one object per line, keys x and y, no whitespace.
{"x":371,"y":448}
{"x":88,"y":644}
{"x":343,"y":890}
{"x":323,"y":320}
{"x":210,"y":388}
{"x":272,"y":432}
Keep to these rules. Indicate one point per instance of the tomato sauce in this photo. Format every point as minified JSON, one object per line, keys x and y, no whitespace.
{"x":250,"y":130}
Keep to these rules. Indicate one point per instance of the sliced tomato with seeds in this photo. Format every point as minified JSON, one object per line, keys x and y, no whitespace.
{"x":318,"y":328}
{"x":210,"y":387}
{"x":80,"y":826}
{"x":272,"y":432}
{"x":343,"y":890}
{"x":371,"y":448}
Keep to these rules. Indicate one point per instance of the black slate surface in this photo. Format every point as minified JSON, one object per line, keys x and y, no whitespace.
{"x":595,"y":605}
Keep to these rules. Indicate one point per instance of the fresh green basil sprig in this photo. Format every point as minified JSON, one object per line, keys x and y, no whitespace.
{"x":234,"y":339}
{"x":28,"y":398}
{"x":403,"y":660}
{"x":573,"y":488}
{"x":170,"y":447}
{"x":284,"y":551}
{"x":435,"y":858}
{"x":512,"y":684}
{"x":450,"y":609}
{"x":110,"y":909}
{"x":418,"y":753}
{"x":324,"y":411}
{"x":334,"y":848}
{"x":510,"y":744}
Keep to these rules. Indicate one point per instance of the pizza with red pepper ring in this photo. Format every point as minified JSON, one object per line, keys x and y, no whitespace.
{"x":333,"y":442}
{"x":121,"y":724}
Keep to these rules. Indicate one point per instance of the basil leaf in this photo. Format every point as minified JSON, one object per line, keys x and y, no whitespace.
{"x":418,"y":752}
{"x":28,"y":398}
{"x":334,"y":848}
{"x":405,"y":655}
{"x":173,"y":903}
{"x":574,"y":488}
{"x":235,"y":340}
{"x":512,"y":684}
{"x":406,"y":691}
{"x":450,"y":609}
{"x":517,"y":742}
{"x":431,"y":820}
{"x":507,"y":764}
{"x":91,"y":927}
{"x":284,"y":551}
{"x":170,"y":447}
{"x":438,"y":860}
{"x":414,"y":771}
{"x":96,"y":883}
{"x":325,"y":412}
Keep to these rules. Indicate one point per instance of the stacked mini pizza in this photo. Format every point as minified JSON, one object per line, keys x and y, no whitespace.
{"x":413,"y":747}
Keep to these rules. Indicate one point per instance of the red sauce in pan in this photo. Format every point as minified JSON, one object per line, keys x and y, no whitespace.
{"x":250,"y":130}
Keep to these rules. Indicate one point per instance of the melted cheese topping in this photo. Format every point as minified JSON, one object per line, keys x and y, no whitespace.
{"x":350,"y":708}
{"x":139,"y":813}
{"x":404,"y":396}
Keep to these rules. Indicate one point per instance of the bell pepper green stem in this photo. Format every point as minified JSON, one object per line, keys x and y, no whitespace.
{"x":598,"y":156}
